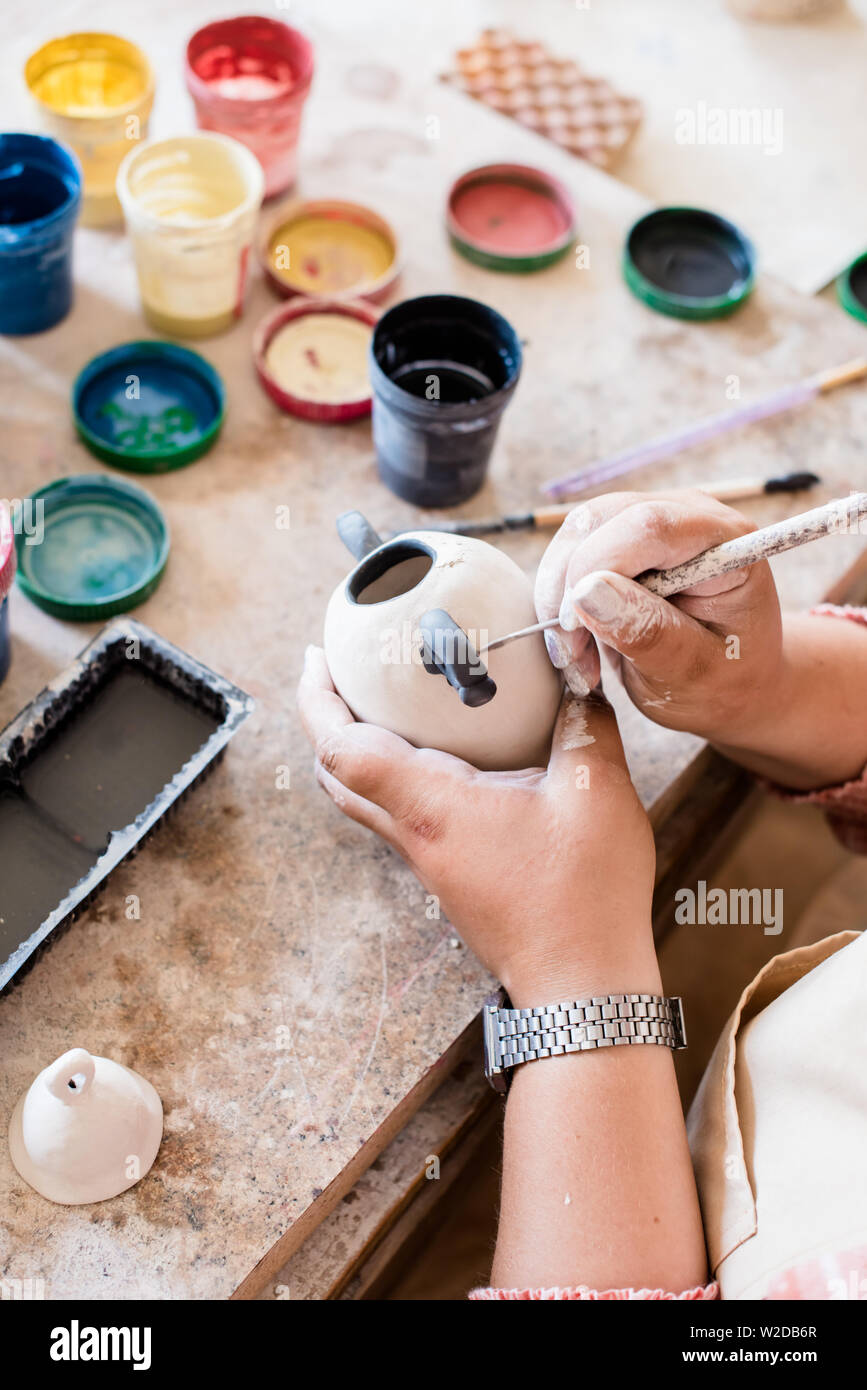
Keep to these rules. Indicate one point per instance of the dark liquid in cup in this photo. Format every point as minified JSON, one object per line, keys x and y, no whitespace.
{"x":29,"y":192}
{"x":443,"y":370}
{"x":439,"y":380}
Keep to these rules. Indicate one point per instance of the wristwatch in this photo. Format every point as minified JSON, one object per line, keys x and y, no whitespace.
{"x":513,"y":1036}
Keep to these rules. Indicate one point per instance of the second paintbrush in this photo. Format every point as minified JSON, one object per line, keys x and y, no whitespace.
{"x":547,"y":518}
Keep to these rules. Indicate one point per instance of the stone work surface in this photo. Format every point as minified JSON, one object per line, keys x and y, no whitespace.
{"x":284,"y":989}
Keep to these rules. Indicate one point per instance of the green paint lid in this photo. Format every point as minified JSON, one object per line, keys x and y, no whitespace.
{"x":689,"y":263}
{"x":99,"y":547}
{"x":148,"y":407}
{"x":852,"y":288}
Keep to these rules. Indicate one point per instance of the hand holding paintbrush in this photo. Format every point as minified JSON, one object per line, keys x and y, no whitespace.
{"x":781,"y":693}
{"x":845,"y":513}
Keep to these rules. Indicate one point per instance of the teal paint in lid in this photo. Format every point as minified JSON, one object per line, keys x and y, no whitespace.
{"x":103,"y":551}
{"x":689,"y":263}
{"x":148,"y":407}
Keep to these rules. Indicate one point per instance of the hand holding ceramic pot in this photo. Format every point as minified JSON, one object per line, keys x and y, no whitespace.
{"x":547,"y":873}
{"x":706,"y":661}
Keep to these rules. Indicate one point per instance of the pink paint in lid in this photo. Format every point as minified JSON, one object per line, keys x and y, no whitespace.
{"x":510,"y":217}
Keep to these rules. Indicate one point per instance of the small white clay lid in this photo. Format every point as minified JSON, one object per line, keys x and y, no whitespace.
{"x":87,"y":1129}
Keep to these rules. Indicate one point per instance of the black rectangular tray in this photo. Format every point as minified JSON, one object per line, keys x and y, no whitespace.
{"x":90,"y":767}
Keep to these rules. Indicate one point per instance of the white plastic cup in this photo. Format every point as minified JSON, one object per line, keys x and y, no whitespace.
{"x":190,"y":205}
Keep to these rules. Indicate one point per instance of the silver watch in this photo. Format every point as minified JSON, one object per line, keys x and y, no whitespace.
{"x":513,"y":1036}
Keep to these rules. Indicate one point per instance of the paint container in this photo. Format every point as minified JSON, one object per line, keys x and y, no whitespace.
{"x":689,"y":263}
{"x":90,"y":768}
{"x":190,"y":205}
{"x":40,"y":194}
{"x":443,"y":369}
{"x":852,"y":288}
{"x":148,"y":407}
{"x":94,"y":92}
{"x":104,"y":548}
{"x":312,"y":358}
{"x":510,"y":217}
{"x":7,"y":574}
{"x":249,"y":78}
{"x":330,"y":249}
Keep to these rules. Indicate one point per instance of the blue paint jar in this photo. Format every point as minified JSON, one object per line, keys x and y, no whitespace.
{"x":7,"y":574}
{"x":443,"y":370}
{"x":40,"y":194}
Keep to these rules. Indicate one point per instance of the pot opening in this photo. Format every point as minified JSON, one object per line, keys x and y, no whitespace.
{"x":389,"y":572}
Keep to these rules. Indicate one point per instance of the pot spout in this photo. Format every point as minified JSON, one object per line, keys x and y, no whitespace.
{"x":357,"y":534}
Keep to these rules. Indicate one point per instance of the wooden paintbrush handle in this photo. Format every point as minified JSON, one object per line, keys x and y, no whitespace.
{"x":841,"y":376}
{"x":842,"y":515}
{"x":553,"y":516}
{"x":549,"y":517}
{"x":724,"y":490}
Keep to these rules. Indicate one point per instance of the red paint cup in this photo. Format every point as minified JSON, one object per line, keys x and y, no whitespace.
{"x":249,"y":78}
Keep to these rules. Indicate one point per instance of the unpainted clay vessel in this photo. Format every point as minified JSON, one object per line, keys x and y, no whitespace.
{"x":375,"y":649}
{"x":87,"y":1129}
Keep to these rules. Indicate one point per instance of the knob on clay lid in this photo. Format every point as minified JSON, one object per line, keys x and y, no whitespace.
{"x":87,"y":1129}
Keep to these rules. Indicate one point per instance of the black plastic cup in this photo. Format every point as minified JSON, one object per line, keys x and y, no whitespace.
{"x":443,"y":370}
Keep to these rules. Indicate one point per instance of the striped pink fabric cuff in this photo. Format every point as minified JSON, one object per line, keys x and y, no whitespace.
{"x":581,"y":1293}
{"x":846,"y":804}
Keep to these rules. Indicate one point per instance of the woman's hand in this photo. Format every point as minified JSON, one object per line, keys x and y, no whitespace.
{"x":709,"y":660}
{"x":546,"y":873}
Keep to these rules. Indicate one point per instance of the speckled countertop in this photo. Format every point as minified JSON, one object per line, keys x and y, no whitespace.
{"x":283,"y":988}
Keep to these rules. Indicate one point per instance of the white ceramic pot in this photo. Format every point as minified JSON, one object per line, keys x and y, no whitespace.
{"x":374,"y":649}
{"x":87,"y":1129}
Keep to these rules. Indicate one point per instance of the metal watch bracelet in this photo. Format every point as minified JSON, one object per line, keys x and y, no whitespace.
{"x":513,"y":1036}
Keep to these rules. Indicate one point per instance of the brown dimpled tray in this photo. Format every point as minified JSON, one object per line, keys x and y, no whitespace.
{"x":553,"y":96}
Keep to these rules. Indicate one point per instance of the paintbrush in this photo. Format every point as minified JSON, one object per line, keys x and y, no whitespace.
{"x":843,"y":514}
{"x":542,"y":518}
{"x":702,"y":431}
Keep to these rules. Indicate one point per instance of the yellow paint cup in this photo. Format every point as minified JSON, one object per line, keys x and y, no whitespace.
{"x":190,"y":205}
{"x":94,"y":92}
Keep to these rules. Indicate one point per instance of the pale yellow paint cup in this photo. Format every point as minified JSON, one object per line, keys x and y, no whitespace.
{"x":190,"y":205}
{"x":93,"y":92}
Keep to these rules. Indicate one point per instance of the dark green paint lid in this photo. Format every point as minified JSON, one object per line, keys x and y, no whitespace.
{"x":103,"y":548}
{"x":689,"y":263}
{"x":148,"y":407}
{"x":852,"y":288}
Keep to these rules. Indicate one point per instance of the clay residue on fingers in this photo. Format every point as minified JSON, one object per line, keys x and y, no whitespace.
{"x":558,"y":652}
{"x":562,"y":660}
{"x":576,"y":680}
{"x":626,"y":612}
{"x":657,"y":704}
{"x":573,"y":731}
